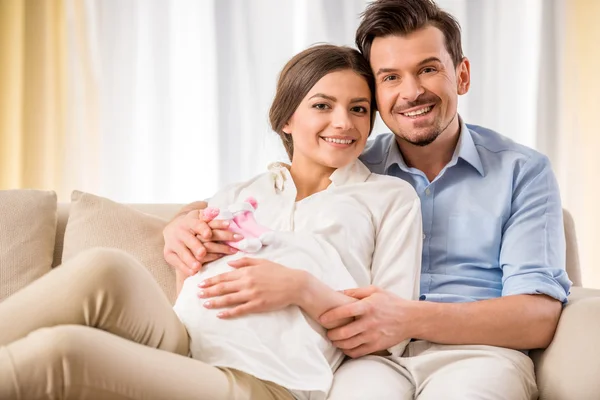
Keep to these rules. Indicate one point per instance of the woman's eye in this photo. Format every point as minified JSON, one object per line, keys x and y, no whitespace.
{"x":321,"y":106}
{"x":360,"y":109}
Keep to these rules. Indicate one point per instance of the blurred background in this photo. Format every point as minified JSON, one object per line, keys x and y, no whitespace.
{"x":164,"y":101}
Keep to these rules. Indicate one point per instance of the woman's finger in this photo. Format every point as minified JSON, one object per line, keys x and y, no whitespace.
{"x":215,"y":280}
{"x":219,"y":248}
{"x":220,"y":289}
{"x":210,"y":257}
{"x":230,"y":300}
{"x":241,"y":310}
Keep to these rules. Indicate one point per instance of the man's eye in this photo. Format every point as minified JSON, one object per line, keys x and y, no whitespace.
{"x":390,"y":78}
{"x":428,"y":70}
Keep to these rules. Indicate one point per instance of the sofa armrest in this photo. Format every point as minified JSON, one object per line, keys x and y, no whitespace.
{"x":570,"y":367}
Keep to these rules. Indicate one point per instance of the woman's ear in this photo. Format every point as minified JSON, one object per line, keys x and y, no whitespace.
{"x":287,"y":129}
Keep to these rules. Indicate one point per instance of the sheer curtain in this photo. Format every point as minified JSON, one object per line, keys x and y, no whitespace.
{"x":171,"y":97}
{"x":168,"y":100}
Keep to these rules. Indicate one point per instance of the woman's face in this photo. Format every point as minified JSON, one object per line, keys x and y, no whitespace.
{"x":331,"y":125}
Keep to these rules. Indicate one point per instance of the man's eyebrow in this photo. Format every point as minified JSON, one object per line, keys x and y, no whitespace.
{"x":425,"y":61}
{"x":385,"y":70}
{"x":429,"y":60}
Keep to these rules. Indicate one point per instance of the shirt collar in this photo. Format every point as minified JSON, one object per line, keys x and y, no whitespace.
{"x":354,"y":172}
{"x":465,"y":149}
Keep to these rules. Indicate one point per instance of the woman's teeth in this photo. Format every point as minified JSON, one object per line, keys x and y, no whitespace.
{"x":418,"y":112}
{"x":338,"y":141}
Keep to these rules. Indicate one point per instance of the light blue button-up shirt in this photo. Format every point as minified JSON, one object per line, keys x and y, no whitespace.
{"x":492,"y":219}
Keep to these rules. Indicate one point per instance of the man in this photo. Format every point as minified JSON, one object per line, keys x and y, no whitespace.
{"x":493,"y":279}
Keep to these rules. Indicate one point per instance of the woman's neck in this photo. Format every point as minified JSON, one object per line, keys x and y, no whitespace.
{"x":309,"y":178}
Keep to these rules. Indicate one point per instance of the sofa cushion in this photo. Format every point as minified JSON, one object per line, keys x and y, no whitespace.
{"x":99,"y":222}
{"x":27,"y":232}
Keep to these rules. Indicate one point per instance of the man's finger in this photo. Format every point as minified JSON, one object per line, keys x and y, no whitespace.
{"x":215,"y":280}
{"x":347,"y":331}
{"x":361,"y":293}
{"x":355,"y":309}
{"x":173,"y":260}
{"x":352,"y":342}
{"x":362,"y":350}
{"x":194,"y":245}
{"x":198,"y":227}
{"x":187,"y":257}
{"x":245,"y":262}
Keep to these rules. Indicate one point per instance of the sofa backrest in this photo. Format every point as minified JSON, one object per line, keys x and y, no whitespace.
{"x":167,"y":211}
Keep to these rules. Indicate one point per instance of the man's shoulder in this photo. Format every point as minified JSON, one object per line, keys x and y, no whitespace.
{"x":490,"y":143}
{"x":376,"y":151}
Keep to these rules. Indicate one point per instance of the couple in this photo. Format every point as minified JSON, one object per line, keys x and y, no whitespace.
{"x":492,"y":274}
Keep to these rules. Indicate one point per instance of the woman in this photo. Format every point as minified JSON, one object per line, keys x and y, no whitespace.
{"x":98,"y":326}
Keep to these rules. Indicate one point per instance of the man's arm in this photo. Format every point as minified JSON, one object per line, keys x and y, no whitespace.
{"x":196,"y":205}
{"x":191,"y":241}
{"x":532,"y":259}
{"x":518,"y":322}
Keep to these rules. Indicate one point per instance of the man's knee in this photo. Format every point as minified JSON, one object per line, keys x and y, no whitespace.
{"x":485,"y":372}
{"x":371,"y":377}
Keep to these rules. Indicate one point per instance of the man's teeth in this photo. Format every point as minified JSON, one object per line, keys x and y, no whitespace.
{"x":338,"y":141}
{"x":418,"y":112}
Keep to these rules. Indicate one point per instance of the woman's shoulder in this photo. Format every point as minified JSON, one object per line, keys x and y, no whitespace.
{"x":391,"y":184}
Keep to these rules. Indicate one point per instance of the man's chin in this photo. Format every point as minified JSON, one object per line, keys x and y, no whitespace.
{"x":421,"y":140}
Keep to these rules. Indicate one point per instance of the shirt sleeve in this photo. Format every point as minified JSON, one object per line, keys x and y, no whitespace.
{"x":396,"y":264}
{"x":532,"y":256}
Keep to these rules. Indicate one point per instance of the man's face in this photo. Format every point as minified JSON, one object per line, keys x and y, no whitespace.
{"x":418,"y":85}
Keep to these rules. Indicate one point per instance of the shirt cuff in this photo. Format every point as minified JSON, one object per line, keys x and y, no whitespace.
{"x":538,"y":283}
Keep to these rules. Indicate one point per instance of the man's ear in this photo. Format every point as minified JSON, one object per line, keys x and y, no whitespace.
{"x":463,"y":76}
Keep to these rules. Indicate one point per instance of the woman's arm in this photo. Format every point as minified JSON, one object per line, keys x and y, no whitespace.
{"x":316,"y":298}
{"x":259,"y":285}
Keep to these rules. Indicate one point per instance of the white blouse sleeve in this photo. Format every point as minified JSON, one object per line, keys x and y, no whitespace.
{"x":396,"y":264}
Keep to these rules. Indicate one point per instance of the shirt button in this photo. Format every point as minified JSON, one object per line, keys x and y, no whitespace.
{"x":427,"y":191}
{"x":424,"y":236}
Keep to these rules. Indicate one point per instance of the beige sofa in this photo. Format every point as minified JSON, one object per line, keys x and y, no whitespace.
{"x":568,"y":369}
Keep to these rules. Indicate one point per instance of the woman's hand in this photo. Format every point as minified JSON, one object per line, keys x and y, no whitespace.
{"x":255,"y":286}
{"x":193,"y":239}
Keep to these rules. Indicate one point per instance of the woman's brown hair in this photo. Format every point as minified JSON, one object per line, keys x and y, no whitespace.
{"x":302,"y":72}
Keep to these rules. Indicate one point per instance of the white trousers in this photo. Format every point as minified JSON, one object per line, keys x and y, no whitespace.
{"x":429,"y":371}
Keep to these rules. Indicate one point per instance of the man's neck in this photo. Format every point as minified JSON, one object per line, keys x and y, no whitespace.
{"x":431,"y":159}
{"x":309,"y":178}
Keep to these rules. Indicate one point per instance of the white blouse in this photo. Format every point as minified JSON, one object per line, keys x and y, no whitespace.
{"x":363,"y":229}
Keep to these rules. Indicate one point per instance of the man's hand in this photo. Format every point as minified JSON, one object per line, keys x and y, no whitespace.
{"x":256,"y":286}
{"x":382,"y":320}
{"x":192,"y":239}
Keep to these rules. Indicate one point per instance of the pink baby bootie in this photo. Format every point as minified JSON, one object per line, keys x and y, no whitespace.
{"x":241,"y":218}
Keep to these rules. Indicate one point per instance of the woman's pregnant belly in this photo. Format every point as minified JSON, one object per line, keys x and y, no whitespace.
{"x":283,"y":346}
